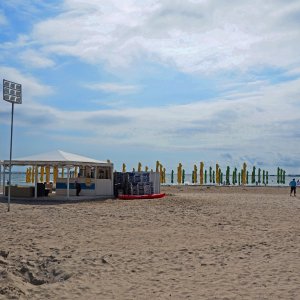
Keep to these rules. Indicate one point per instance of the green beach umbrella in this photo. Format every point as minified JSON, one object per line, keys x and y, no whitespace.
{"x":228,"y":175}
{"x":253,"y":175}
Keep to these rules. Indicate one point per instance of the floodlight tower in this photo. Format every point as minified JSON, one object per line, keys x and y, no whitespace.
{"x":12,"y":92}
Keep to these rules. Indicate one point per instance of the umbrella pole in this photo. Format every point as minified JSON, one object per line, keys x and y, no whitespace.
{"x":3,"y":180}
{"x":68,"y":183}
{"x":35,"y":181}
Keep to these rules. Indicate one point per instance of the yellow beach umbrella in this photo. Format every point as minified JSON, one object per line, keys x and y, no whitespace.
{"x":244,"y":179}
{"x":124,"y":168}
{"x":179,"y":173}
{"x":201,"y":172}
{"x":195,"y":174}
{"x":47,"y":174}
{"x":76,"y":172}
{"x":157,"y":166}
{"x":217,"y":174}
{"x":55,"y":173}
{"x":42,"y":174}
{"x":139,"y":167}
{"x":32,"y":174}
{"x":28,"y":175}
{"x":161,"y":173}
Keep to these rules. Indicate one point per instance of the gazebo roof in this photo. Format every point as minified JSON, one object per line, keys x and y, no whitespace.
{"x":57,"y":157}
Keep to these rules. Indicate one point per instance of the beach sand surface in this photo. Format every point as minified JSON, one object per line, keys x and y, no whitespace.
{"x":196,"y":243}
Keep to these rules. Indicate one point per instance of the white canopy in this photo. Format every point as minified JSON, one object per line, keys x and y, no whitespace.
{"x":59,"y":158}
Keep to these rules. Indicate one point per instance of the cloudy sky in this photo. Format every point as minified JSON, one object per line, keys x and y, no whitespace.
{"x":169,"y":80}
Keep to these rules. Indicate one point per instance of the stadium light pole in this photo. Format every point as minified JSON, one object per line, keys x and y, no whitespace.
{"x":12,"y":92}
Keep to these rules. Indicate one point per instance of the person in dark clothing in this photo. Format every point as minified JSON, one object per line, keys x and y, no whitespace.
{"x":293,"y":185}
{"x":78,"y":188}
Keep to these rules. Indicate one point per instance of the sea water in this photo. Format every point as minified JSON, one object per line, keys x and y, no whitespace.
{"x":20,"y":179}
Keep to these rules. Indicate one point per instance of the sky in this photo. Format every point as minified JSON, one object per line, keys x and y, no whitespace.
{"x":141,"y":81}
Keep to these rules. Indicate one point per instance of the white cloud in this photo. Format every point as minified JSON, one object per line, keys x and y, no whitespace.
{"x":113,"y":87}
{"x":3,"y":19}
{"x":36,"y":59}
{"x":248,"y":126}
{"x":32,"y":89}
{"x":195,"y":36}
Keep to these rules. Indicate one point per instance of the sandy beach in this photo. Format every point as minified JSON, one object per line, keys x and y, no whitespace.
{"x":196,"y":243}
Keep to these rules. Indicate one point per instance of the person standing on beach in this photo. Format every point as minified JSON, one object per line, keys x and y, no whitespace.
{"x":293,"y":185}
{"x":78,"y":188}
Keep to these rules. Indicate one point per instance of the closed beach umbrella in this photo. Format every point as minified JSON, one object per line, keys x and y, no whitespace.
{"x":259,"y":176}
{"x":253,"y":175}
{"x":124,"y":168}
{"x":139,"y":167}
{"x":228,"y":175}
{"x":55,"y":173}
{"x":161,"y":173}
{"x":47,"y":174}
{"x":244,"y":173}
{"x":28,"y":175}
{"x":179,"y":173}
{"x":32,"y":174}
{"x":172,"y":176}
{"x":42,"y":174}
{"x":217,"y":174}
{"x":201,"y":172}
{"x":157,"y":166}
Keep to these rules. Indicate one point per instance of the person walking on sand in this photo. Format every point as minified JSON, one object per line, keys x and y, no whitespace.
{"x":78,"y":188}
{"x":293,"y":185}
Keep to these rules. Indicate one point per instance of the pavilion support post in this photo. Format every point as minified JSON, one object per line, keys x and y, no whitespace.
{"x":36,"y":181}
{"x":3,"y":180}
{"x":68,"y":183}
{"x":0,"y":171}
{"x":112,"y":179}
{"x":96,"y":173}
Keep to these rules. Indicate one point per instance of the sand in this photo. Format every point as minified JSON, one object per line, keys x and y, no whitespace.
{"x":196,"y":243}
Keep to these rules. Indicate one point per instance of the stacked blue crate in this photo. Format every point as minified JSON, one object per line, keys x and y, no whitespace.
{"x":132,"y":183}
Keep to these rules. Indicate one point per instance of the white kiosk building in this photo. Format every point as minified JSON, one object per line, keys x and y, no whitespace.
{"x":95,"y":177}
